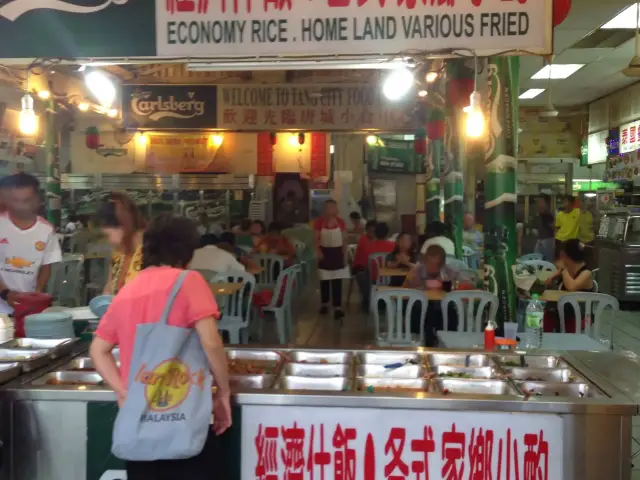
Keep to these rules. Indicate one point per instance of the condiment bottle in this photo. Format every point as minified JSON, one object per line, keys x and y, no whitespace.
{"x":490,"y":336}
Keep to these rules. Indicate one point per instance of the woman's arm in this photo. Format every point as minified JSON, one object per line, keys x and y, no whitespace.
{"x":107,"y":367}
{"x":584,"y":281}
{"x":214,"y":349}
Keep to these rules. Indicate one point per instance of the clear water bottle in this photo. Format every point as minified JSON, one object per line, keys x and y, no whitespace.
{"x":533,"y":324}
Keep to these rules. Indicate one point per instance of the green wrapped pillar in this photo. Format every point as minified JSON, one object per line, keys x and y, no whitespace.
{"x":52,"y":156}
{"x":500,"y":185}
{"x":435,"y":153}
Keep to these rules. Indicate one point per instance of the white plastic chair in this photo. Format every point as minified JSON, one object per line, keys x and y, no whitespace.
{"x":456,"y":263}
{"x":236,"y":308}
{"x":65,"y":283}
{"x":470,"y":319}
{"x":272,"y":266}
{"x":530,"y":256}
{"x":594,"y":307}
{"x":397,"y":306}
{"x":540,"y":265}
{"x":375,"y":262}
{"x":471,"y":257}
{"x":282,"y":310}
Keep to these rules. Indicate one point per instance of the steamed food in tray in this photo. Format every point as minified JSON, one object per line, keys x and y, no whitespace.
{"x":71,"y":379}
{"x":469,"y":373}
{"x":392,"y":385}
{"x":530,"y":361}
{"x":323,"y":358}
{"x":18,"y":355}
{"x":458,"y":359}
{"x":251,"y":367}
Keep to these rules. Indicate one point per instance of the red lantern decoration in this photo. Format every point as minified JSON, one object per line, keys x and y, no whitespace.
{"x":301,"y":138}
{"x":273,"y":138}
{"x":561,"y":9}
{"x":92,"y":138}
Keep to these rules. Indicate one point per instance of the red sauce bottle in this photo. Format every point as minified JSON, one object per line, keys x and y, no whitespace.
{"x":490,"y":337}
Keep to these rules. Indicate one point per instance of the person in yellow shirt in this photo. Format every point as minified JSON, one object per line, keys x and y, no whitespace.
{"x":567,"y":222}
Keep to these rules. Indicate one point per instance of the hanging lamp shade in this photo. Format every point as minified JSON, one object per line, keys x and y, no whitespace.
{"x":301,"y":138}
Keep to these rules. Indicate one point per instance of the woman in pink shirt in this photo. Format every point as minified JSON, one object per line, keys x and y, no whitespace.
{"x":167,"y":249}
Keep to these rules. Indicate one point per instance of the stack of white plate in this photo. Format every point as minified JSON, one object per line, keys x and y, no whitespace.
{"x":49,"y":325}
{"x":7,"y":328}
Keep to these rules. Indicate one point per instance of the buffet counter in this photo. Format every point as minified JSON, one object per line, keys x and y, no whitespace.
{"x":358,"y":414}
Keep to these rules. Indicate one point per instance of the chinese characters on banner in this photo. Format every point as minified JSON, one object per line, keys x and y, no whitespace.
{"x":630,"y":137}
{"x":183,"y":153}
{"x":284,"y":443}
{"x":194,"y":28}
{"x":309,"y":107}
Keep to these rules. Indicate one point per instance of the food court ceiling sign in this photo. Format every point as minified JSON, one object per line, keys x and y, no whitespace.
{"x":310,"y":107}
{"x":205,"y":28}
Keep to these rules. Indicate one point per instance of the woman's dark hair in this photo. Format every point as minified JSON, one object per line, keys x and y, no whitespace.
{"x":396,"y":249}
{"x":574,"y":250}
{"x":21,"y":180}
{"x":275,"y":227}
{"x":435,"y":229}
{"x":119,"y":210}
{"x":170,"y":241}
{"x":228,"y":237}
{"x":355,"y":216}
{"x":382,"y":231}
{"x":245,"y":224}
{"x":263,"y":227}
{"x":208,"y":239}
{"x":370,"y":224}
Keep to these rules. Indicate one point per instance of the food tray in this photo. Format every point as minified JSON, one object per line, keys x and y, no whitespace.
{"x":336,"y":384}
{"x":56,"y":346}
{"x":406,"y":371}
{"x":309,"y":356}
{"x":474,"y":387}
{"x":450,"y":371}
{"x":392,"y":385}
{"x":250,"y":382}
{"x":9,"y":371}
{"x":458,"y":359}
{"x":253,"y":362}
{"x":531,"y":361}
{"x":388,"y":358}
{"x":574,"y":390}
{"x":28,"y":359}
{"x":69,"y":379}
{"x":316,"y":369}
{"x":555,"y":375}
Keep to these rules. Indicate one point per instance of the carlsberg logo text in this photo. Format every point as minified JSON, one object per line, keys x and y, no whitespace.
{"x":160,"y":107}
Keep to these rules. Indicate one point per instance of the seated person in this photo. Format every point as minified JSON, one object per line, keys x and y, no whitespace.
{"x":276,"y":244}
{"x":211,"y":257}
{"x":258,"y":230}
{"x":360,"y":258}
{"x":365,"y":278}
{"x":432,"y":273}
{"x":243,"y":228}
{"x":228,"y":243}
{"x":403,"y":257}
{"x":436,"y":233}
{"x":357,"y":224}
{"x":573,"y":275}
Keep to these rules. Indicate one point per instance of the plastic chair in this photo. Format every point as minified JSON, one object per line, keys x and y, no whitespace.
{"x":530,"y":256}
{"x":301,"y":255}
{"x":594,"y":306}
{"x":282,"y":310}
{"x":398,"y":305}
{"x":471,"y":257}
{"x":237,"y":307}
{"x":470,"y":319}
{"x":374,"y":263}
{"x":272,"y":266}
{"x":351,"y":252}
{"x":66,"y":281}
{"x":456,"y":263}
{"x":540,"y":265}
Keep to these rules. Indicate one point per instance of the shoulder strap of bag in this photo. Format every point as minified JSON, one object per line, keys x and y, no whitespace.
{"x":172,"y":296}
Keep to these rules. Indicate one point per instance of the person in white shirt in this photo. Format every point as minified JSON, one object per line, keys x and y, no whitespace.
{"x":436,"y":235}
{"x":28,"y":243}
{"x":211,"y":257}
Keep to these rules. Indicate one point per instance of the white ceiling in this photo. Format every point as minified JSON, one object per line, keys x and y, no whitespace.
{"x":601,"y":73}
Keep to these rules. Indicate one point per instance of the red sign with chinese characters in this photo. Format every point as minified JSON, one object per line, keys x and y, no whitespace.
{"x":296,"y":443}
{"x":265,"y":155}
{"x":630,"y":137}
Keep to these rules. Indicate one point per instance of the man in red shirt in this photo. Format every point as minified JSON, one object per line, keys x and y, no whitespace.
{"x":367,"y":277}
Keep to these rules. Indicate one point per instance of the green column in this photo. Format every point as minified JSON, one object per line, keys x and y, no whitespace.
{"x":435,"y":152}
{"x":500,"y":186}
{"x":52,"y":155}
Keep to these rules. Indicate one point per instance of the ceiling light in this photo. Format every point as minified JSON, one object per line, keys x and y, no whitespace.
{"x":431,"y":77}
{"x":372,"y":140}
{"x":44,"y":94}
{"x":627,"y":18}
{"x":531,"y":93}
{"x":556,"y":71}
{"x":143,"y":139}
{"x":423,"y":93}
{"x":102,"y":87}
{"x":332,"y":149}
{"x":217,"y":140}
{"x":113,"y":113}
{"x":590,"y":194}
{"x":397,"y":84}
{"x":28,"y":122}
{"x":83,"y":106}
{"x":475,"y":117}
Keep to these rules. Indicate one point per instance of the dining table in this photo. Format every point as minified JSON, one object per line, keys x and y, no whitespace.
{"x":432,"y":295}
{"x":224,"y":288}
{"x":550,"y":341}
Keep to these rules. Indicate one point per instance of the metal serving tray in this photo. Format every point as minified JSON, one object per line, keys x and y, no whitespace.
{"x":251,"y":382}
{"x":392,"y":385}
{"x":56,"y":346}
{"x":267,"y":359}
{"x":316,"y":369}
{"x":477,"y":373}
{"x":69,"y":379}
{"x":458,"y":359}
{"x":406,"y":371}
{"x":555,"y":375}
{"x":474,"y":387}
{"x":530,"y":361}
{"x":9,"y":371}
{"x":336,"y":384}
{"x":28,"y":359}
{"x":575,"y":390}
{"x":308,"y":356}
{"x":388,"y":358}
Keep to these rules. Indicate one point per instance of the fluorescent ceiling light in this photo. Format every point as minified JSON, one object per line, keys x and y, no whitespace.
{"x":320,"y":64}
{"x":557,"y":72}
{"x":628,"y":18}
{"x":531,"y":93}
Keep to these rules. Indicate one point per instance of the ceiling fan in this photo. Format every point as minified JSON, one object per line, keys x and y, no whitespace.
{"x":549,"y":110}
{"x":633,"y":70}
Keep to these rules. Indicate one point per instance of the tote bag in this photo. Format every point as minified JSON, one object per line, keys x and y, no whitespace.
{"x":167,"y":413}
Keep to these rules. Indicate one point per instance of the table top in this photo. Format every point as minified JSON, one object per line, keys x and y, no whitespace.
{"x":553,"y":295}
{"x":394,"y":272}
{"x":550,"y":341}
{"x":433,"y":295}
{"x":255,"y":269}
{"x":224,"y":288}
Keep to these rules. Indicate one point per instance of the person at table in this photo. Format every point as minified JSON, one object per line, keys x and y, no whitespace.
{"x":243,"y":233}
{"x":258,"y":231}
{"x":437,"y":234}
{"x":432,"y":273}
{"x":471,"y":236}
{"x":544,"y":224}
{"x":228,"y":242}
{"x":357,"y":224}
{"x":574,"y":276}
{"x":275,"y":243}
{"x":567,"y":222}
{"x":330,"y":236}
{"x":28,"y":243}
{"x":123,"y":225}
{"x":168,"y":247}
{"x":360,"y":258}
{"x":402,"y":257}
{"x":213,"y":258}
{"x":364,"y":276}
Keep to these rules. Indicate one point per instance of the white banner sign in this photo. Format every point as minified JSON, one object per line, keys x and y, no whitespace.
{"x":207,"y":28}
{"x":284,"y":443}
{"x":310,"y":107}
{"x":630,"y":137}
